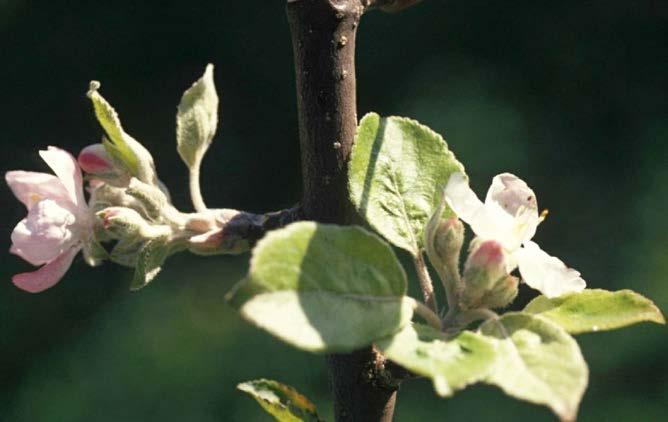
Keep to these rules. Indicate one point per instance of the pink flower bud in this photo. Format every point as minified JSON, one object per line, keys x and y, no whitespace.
{"x":484,"y":269}
{"x":94,"y":160}
{"x":488,"y":256}
{"x":121,"y":222}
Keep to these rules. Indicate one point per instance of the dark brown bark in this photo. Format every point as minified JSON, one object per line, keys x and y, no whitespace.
{"x":323,"y":38}
{"x":363,"y":390}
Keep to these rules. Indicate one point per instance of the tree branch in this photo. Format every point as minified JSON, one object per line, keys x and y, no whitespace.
{"x":323,"y":40}
{"x":323,"y":36}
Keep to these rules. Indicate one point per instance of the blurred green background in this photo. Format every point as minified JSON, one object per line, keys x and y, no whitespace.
{"x":571,"y":96}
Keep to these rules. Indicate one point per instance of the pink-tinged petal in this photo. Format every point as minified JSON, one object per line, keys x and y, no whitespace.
{"x":94,"y":160}
{"x":48,"y":275}
{"x":45,"y":233}
{"x":31,"y":187}
{"x":512,"y":194}
{"x":546,"y":273}
{"x":67,"y":169}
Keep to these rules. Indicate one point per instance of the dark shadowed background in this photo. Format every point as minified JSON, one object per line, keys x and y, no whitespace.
{"x":571,"y":96}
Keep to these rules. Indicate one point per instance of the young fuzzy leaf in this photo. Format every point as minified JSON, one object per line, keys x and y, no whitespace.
{"x":537,"y":361}
{"x":451,"y":364}
{"x":281,"y":401}
{"x":149,"y":262}
{"x":397,"y":172}
{"x":124,"y":150}
{"x":324,"y":288}
{"x":197,"y":119}
{"x":596,"y":310}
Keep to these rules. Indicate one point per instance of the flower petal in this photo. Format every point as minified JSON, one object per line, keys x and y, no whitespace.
{"x":31,"y":187}
{"x":94,"y":159}
{"x":488,"y":221}
{"x":48,"y":275}
{"x":67,"y":169}
{"x":512,"y":194}
{"x":461,"y":198}
{"x":546,"y":273}
{"x":45,"y":233}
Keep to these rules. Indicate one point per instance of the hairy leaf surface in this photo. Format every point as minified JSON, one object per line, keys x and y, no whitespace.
{"x":398,"y":169}
{"x":451,"y":364}
{"x":596,"y":310}
{"x":537,"y":361}
{"x":197,"y":119}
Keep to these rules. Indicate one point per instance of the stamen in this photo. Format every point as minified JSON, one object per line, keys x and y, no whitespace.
{"x":543,"y":215}
{"x":35,"y":198}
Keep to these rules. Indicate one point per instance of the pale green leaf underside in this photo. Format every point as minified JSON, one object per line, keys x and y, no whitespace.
{"x":537,"y":361}
{"x":451,"y":365}
{"x":324,"y":288}
{"x":197,"y":118}
{"x":596,"y":310}
{"x":149,"y":262}
{"x":398,"y":169}
{"x":281,"y":401}
{"x":326,"y":322}
{"x":124,"y":150}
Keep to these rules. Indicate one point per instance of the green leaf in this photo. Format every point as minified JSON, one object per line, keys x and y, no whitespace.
{"x":451,"y":364}
{"x":126,"y":251}
{"x":94,"y":253}
{"x":281,"y":401}
{"x":124,"y":150}
{"x":537,"y":361}
{"x":596,"y":310}
{"x":398,"y":169}
{"x":197,"y":119}
{"x":149,"y":262}
{"x":324,"y":288}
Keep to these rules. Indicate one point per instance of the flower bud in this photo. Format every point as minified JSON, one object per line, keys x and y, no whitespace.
{"x":448,"y":239}
{"x":485,"y":267}
{"x":154,"y":201}
{"x":229,"y":236}
{"x":103,"y":195}
{"x":443,"y":239}
{"x":94,"y":159}
{"x":122,"y":223}
{"x":503,"y":292}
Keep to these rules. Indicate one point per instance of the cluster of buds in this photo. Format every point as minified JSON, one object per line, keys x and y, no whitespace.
{"x":485,"y":282}
{"x":129,"y":218}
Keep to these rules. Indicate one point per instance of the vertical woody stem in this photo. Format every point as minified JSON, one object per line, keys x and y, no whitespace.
{"x":323,"y":39}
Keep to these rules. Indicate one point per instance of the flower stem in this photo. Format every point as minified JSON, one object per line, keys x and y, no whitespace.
{"x":426,"y":284}
{"x":427,"y":314}
{"x":480,"y":314}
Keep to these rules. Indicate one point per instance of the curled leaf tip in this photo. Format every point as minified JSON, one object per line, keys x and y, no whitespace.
{"x":93,"y":86}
